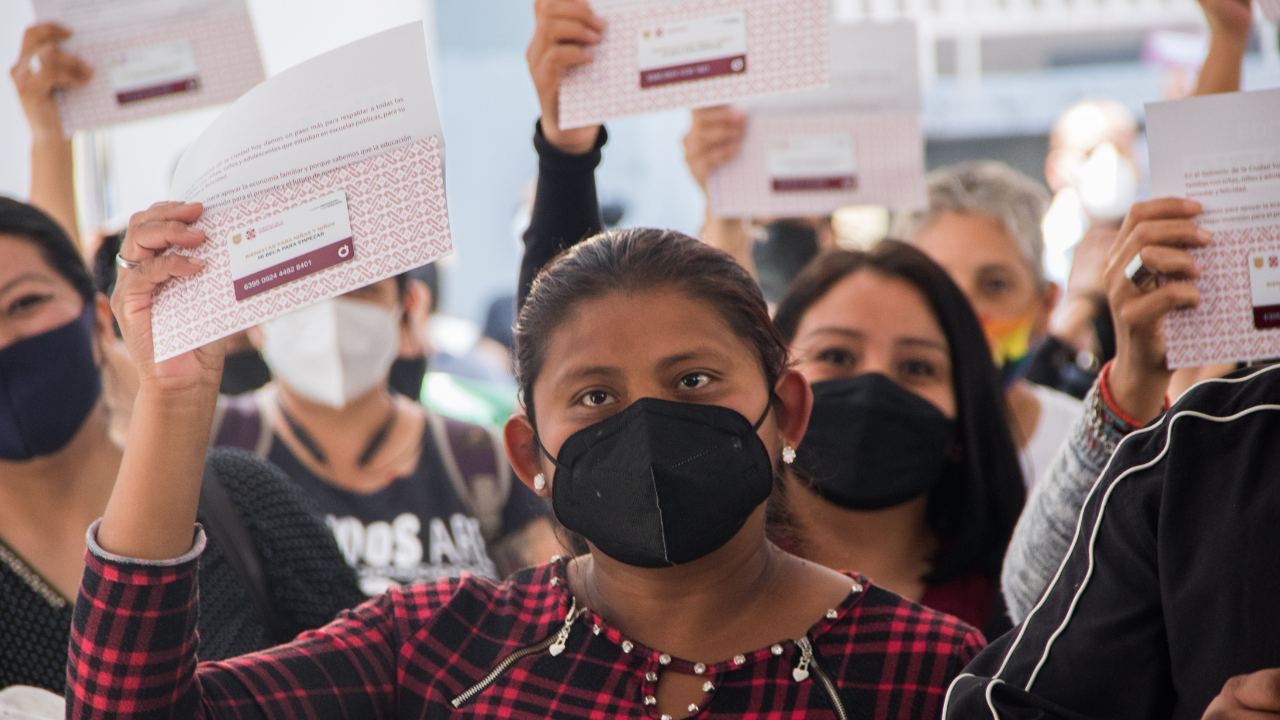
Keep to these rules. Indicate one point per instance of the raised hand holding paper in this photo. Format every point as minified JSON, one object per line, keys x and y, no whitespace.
{"x":324,"y":179}
{"x":1224,"y":152}
{"x":663,"y":54}
{"x":154,"y":57}
{"x":857,"y":141}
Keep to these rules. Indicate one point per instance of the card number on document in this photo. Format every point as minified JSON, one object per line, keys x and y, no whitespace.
{"x":289,"y":246}
{"x":1264,"y":282}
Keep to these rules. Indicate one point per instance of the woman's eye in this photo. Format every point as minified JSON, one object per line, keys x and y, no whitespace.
{"x":596,"y":398}
{"x":918,"y":369}
{"x":27,"y":302}
{"x":994,"y":286}
{"x":836,"y":356}
{"x":693,"y":381}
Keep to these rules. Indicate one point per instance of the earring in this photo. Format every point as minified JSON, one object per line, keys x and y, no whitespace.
{"x":540,"y":481}
{"x":788,"y":454}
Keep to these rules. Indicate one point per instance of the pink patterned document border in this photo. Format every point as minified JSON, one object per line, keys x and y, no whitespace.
{"x":787,"y":49}
{"x":889,"y":149}
{"x":1221,"y":330}
{"x":396,"y":202}
{"x":227,"y":62}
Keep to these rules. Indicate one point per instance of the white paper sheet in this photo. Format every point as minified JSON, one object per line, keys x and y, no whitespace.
{"x":1223,"y":151}
{"x":871,"y":111}
{"x":326,"y":178}
{"x":154,"y":57}
{"x":343,"y":106}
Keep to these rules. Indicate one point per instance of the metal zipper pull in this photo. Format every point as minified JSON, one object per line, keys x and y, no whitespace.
{"x":806,"y":659}
{"x":801,"y":670}
{"x":557,"y":645}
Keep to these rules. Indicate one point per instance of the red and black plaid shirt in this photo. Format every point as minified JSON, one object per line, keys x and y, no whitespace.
{"x":410,"y":652}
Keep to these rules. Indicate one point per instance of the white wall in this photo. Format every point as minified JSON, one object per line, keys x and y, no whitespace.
{"x":15,"y":137}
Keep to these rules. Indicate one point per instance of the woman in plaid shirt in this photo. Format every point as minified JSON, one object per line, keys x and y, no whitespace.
{"x":660,"y":409}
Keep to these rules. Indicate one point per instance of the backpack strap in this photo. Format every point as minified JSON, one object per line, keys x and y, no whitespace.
{"x":239,"y":422}
{"x":477,"y":467}
{"x":225,"y":528}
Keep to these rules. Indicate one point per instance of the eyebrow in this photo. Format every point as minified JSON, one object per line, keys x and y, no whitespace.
{"x":611,"y":372}
{"x":857,"y":335}
{"x":29,"y":275}
{"x":604,"y":371}
{"x":922,"y":342}
{"x":694,"y":354}
{"x":844,"y":332}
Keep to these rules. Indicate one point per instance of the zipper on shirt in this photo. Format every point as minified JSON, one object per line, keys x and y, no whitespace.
{"x":809,"y":663}
{"x":554,"y":644}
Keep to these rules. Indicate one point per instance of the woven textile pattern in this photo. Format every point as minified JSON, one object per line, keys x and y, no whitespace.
{"x":1221,"y":329}
{"x":226,"y":58}
{"x":787,"y":49}
{"x":399,"y":221}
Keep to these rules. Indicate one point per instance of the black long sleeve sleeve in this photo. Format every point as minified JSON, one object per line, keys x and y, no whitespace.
{"x":565,"y":209}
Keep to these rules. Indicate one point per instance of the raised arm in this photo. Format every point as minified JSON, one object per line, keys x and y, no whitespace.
{"x":1229,"y":23}
{"x":1129,"y":393}
{"x":714,"y":138}
{"x":133,"y":649}
{"x":565,"y":208}
{"x":43,"y":68}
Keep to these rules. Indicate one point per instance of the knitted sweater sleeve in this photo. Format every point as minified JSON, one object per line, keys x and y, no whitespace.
{"x":1043,"y":535}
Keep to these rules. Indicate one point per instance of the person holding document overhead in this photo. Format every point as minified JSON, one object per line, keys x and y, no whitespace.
{"x":1165,"y":595}
{"x":698,"y":617}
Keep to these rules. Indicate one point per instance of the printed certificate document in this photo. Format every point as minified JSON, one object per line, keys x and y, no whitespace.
{"x":856,"y":142}
{"x":154,"y":57}
{"x":324,"y":179}
{"x":1224,"y":152}
{"x":663,"y":54}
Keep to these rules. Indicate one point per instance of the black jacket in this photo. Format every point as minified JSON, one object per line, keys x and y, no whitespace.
{"x":1172,"y":584}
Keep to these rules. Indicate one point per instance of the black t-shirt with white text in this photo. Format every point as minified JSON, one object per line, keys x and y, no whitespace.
{"x":416,"y":529}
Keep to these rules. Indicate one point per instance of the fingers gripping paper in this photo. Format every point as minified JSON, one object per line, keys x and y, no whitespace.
{"x":322,"y":180}
{"x":154,"y":57}
{"x":1224,"y":152}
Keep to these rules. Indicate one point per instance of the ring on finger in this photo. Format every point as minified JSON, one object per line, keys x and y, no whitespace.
{"x":127,"y":264}
{"x":1138,"y":273}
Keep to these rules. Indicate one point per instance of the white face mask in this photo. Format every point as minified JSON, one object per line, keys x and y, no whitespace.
{"x":333,"y":351}
{"x":1107,"y":183}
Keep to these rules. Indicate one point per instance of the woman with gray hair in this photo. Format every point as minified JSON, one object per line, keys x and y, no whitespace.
{"x":983,"y":226}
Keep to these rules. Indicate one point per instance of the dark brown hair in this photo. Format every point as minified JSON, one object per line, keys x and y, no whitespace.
{"x":31,"y":224}
{"x":975,"y":506}
{"x":642,"y":259}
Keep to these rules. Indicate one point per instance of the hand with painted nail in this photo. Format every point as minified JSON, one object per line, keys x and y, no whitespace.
{"x":565,"y":32}
{"x":147,"y":263}
{"x":1156,"y":237}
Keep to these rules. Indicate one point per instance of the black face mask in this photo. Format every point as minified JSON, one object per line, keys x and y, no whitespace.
{"x":48,"y":385}
{"x":407,"y":375}
{"x":662,"y":483}
{"x":872,"y":444}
